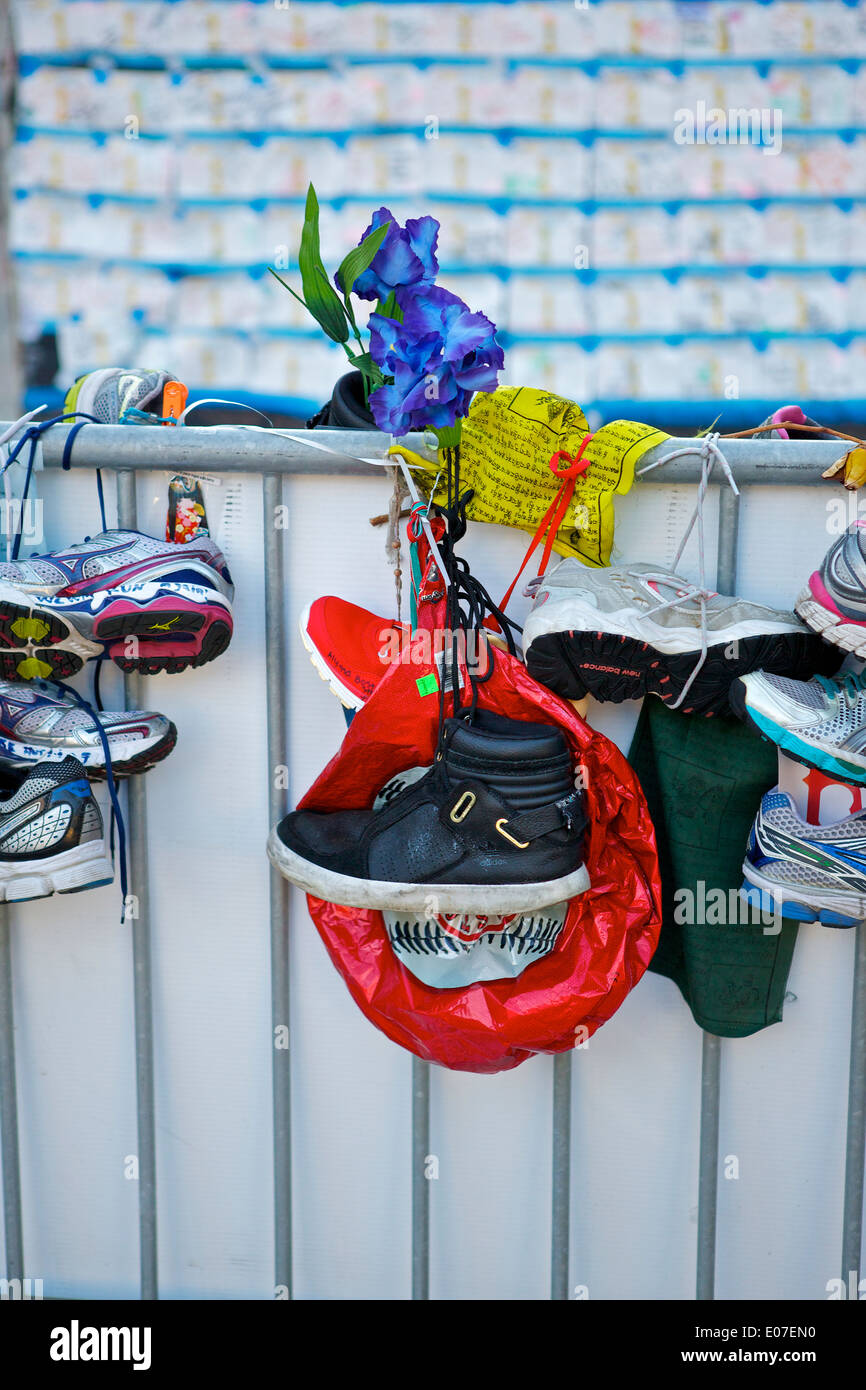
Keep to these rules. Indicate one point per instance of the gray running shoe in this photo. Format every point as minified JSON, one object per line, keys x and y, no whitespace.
{"x":634,"y":630}
{"x":40,"y":723}
{"x":51,"y":837}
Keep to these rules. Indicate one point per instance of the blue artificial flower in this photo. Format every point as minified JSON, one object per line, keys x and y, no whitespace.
{"x":438,"y":356}
{"x":406,"y":258}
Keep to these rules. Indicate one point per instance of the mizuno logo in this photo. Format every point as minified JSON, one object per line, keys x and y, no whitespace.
{"x":164,"y":627}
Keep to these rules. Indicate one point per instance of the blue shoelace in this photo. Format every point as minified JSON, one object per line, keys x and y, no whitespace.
{"x":31,"y":437}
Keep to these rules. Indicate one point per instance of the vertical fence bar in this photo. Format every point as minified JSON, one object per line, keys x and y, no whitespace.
{"x":708,"y":1173}
{"x":127,"y":516}
{"x":561,"y":1177}
{"x":420,"y":1181}
{"x":12,"y":1224}
{"x":711,"y":1051}
{"x":276,"y":648}
{"x":855,"y":1147}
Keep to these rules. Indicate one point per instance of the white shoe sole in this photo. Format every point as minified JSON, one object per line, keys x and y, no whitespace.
{"x":334,"y":684}
{"x":574,"y":614}
{"x":820,"y":899}
{"x":427,"y":898}
{"x":85,"y":866}
{"x":123,"y":751}
{"x":851,"y":637}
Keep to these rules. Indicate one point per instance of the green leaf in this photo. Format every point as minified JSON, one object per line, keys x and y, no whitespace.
{"x":285,"y":286}
{"x":389,"y":308}
{"x":320,"y":296}
{"x":370,"y":369}
{"x":359,"y":258}
{"x":449,"y":435}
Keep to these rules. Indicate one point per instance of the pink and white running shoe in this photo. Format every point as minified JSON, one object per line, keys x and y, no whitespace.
{"x":834,"y":600}
{"x":150,"y":605}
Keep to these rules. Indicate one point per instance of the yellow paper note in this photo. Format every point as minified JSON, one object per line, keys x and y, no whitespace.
{"x":509,"y":437}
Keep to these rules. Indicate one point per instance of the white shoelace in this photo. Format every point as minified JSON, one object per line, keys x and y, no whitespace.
{"x":709,"y":453}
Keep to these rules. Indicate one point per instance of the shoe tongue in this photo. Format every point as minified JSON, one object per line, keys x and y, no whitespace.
{"x":502,"y":740}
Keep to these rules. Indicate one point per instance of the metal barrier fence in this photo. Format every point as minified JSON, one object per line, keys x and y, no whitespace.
{"x":273,"y":454}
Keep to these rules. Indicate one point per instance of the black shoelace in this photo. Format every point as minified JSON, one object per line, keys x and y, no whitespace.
{"x":467,"y":604}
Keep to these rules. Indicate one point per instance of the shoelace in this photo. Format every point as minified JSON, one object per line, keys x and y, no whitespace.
{"x":116,"y":813}
{"x":467,"y":604}
{"x":709,"y":453}
{"x":847,"y":683}
{"x":32,"y":436}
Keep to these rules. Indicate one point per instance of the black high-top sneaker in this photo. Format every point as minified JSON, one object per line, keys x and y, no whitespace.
{"x":51,"y":837}
{"x":495,"y":825}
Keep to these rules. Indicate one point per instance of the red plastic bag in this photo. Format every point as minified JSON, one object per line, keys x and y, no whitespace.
{"x":610,"y":932}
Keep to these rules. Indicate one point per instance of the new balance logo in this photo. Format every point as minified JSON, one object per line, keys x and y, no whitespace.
{"x":615,"y":670}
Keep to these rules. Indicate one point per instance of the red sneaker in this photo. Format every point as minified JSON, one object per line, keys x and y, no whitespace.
{"x":350,"y":647}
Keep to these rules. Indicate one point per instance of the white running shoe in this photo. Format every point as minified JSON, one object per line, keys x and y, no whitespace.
{"x":820,"y":722}
{"x":806,"y":873}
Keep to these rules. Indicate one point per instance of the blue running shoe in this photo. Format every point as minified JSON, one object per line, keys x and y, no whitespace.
{"x":807,"y":873}
{"x":150,"y":605}
{"x":51,"y":837}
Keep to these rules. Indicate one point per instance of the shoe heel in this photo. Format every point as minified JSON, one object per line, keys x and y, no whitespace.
{"x":764,"y":901}
{"x":30,"y":644}
{"x":836,"y":919}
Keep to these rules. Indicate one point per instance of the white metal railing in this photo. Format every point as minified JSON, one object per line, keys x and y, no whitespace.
{"x":272,"y":454}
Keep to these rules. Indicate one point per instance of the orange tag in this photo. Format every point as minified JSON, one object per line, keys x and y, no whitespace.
{"x":174,"y":395}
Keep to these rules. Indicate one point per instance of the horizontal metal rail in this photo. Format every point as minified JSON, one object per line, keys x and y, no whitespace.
{"x":270,"y":453}
{"x":245,"y":449}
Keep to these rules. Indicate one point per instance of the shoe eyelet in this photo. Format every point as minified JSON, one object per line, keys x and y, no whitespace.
{"x":521,"y":844}
{"x":462,"y":806}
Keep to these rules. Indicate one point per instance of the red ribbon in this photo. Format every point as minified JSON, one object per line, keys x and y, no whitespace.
{"x":555,"y":514}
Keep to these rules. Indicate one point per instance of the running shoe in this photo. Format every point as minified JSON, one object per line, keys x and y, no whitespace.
{"x":634,"y":630}
{"x":350,"y":647}
{"x":149,"y":627}
{"x":117,"y":395}
{"x":39,"y":722}
{"x":807,"y":873}
{"x":787,"y":422}
{"x":51,"y":838}
{"x":821,"y":722}
{"x":834,"y":600}
{"x":120,"y":557}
